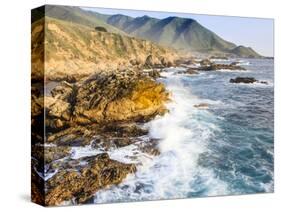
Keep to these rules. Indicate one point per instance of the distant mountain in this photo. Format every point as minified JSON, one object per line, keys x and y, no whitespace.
{"x":180,"y":33}
{"x":243,"y":51}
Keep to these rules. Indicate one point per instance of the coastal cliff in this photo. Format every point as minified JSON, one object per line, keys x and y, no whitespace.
{"x":85,"y":103}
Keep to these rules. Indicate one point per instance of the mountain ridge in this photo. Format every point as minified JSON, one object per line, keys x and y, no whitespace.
{"x":189,"y":34}
{"x":183,"y":34}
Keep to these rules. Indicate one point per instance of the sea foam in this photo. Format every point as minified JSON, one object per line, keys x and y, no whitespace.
{"x":183,"y":135}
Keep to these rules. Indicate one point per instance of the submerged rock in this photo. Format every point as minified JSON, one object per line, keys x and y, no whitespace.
{"x":81,"y":182}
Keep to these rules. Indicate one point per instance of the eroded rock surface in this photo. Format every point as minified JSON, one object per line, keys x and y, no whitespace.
{"x":81,"y":183}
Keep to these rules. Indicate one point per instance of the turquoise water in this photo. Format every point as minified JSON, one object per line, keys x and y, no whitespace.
{"x":226,"y":149}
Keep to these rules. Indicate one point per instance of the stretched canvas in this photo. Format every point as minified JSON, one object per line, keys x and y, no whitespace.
{"x":138,"y":105}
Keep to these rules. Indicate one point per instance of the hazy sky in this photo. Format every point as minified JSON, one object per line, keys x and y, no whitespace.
{"x":257,"y":33}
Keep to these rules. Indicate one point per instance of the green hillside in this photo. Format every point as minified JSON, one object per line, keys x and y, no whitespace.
{"x":75,"y":15}
{"x":180,"y":33}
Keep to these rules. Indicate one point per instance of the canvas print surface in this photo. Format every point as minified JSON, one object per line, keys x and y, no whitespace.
{"x":138,"y":105}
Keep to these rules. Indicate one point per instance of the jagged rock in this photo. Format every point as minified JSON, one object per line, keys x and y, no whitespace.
{"x":58,"y":113}
{"x":49,"y":153}
{"x":243,"y":80}
{"x":81,"y":182}
{"x":117,"y":135}
{"x":119,"y":96}
{"x":62,"y":91}
{"x":73,"y":136}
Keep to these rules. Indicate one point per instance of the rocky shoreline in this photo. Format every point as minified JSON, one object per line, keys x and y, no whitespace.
{"x":104,"y":111}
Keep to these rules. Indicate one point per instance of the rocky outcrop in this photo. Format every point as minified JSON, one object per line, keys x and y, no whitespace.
{"x":243,"y":80}
{"x":106,"y":97}
{"x":188,"y":71}
{"x":246,"y":80}
{"x":81,"y":182}
{"x":122,"y":96}
{"x":156,"y":62}
{"x":104,"y":111}
{"x":50,"y":153}
{"x":206,"y":65}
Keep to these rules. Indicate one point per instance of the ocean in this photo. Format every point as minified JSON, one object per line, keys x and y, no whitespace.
{"x":225,"y":149}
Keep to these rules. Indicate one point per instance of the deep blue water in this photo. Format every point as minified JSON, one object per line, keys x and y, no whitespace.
{"x":241,"y":153}
{"x":226,"y":149}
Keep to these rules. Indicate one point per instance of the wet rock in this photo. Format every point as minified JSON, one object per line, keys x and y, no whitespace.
{"x":202,"y":105}
{"x":73,"y":136}
{"x":234,"y":63}
{"x":81,"y":182}
{"x":189,"y":72}
{"x":215,"y":67}
{"x":117,"y":135}
{"x":243,"y":80}
{"x":154,"y":74}
{"x":49,"y":153}
{"x":218,"y":58}
{"x":205,"y":62}
{"x":150,"y":147}
{"x":123,"y":130}
{"x":185,"y":62}
{"x":166,"y":62}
